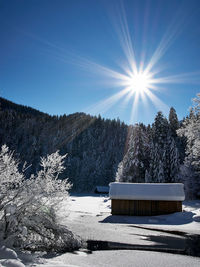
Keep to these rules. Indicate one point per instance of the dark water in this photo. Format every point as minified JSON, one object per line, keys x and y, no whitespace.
{"x":187,"y":245}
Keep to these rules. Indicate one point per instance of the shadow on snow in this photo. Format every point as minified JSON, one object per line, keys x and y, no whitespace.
{"x":178,"y":218}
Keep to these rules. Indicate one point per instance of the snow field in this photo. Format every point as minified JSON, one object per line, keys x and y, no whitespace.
{"x":89,"y":217}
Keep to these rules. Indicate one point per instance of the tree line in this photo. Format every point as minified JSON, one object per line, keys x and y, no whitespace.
{"x":101,"y":150}
{"x":167,"y":152}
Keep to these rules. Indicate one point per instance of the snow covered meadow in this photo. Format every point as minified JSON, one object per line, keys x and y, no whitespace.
{"x":89,"y":217}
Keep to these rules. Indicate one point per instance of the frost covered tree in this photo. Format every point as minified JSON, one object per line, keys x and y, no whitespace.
{"x":132,"y":167}
{"x":164,"y":156}
{"x":191,"y":131}
{"x":155,"y":166}
{"x":27,"y":206}
{"x":160,"y":129}
{"x":171,"y":161}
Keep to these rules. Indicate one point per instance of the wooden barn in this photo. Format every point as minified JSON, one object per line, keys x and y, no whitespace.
{"x":101,"y":190}
{"x":146,"y":199}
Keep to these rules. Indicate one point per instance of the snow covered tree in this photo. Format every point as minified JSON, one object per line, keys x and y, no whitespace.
{"x":164,"y":155}
{"x":191,"y":130}
{"x":10,"y":177}
{"x":132,"y":168}
{"x":160,"y":129}
{"x":27,"y":206}
{"x":155,"y":165}
{"x":171,"y":161}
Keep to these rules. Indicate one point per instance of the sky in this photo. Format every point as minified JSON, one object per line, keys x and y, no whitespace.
{"x":120,"y":59}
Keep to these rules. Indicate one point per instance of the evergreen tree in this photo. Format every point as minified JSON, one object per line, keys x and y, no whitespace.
{"x":151,"y":175}
{"x":191,"y":130}
{"x":173,"y":121}
{"x":164,"y":156}
{"x":133,"y":166}
{"x":171,"y":160}
{"x":160,"y":129}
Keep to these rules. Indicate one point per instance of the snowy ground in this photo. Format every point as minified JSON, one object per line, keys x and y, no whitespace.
{"x":97,"y":209}
{"x":89,"y":217}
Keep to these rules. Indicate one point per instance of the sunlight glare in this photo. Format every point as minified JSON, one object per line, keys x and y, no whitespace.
{"x":139,"y":82}
{"x":138,"y":79}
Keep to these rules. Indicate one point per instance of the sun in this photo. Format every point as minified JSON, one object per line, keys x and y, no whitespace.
{"x":139,"y":77}
{"x":139,"y":82}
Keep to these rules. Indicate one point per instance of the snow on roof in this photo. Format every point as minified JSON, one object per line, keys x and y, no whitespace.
{"x":147,"y":191}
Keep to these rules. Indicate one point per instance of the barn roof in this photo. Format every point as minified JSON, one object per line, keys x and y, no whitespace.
{"x":147,"y":191}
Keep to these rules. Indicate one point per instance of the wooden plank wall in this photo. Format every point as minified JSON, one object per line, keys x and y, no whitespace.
{"x":144,"y":207}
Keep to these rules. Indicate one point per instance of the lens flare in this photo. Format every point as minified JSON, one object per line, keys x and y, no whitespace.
{"x":139,"y":82}
{"x":139,"y":77}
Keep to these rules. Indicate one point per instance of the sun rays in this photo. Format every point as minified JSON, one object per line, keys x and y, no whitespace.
{"x":135,"y":85}
{"x":139,"y":79}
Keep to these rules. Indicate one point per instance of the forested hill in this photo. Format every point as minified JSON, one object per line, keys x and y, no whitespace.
{"x":8,"y":105}
{"x":94,"y":146}
{"x":100,"y":151}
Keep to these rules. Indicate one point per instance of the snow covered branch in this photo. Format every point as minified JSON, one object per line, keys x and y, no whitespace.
{"x":27,"y":206}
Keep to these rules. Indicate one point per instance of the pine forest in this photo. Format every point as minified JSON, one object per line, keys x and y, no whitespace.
{"x":100,"y":151}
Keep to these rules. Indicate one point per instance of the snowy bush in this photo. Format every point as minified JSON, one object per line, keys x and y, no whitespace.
{"x":27,"y":206}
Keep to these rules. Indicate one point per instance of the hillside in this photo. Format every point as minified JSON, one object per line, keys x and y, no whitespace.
{"x":94,"y":146}
{"x":100,"y":151}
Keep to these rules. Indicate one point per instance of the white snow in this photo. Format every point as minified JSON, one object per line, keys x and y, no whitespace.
{"x":89,"y":216}
{"x":8,"y":257}
{"x":12,"y":263}
{"x":121,"y":258}
{"x":7,"y":253}
{"x":147,"y":191}
{"x":89,"y":212}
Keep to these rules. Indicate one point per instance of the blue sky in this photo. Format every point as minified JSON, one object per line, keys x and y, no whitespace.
{"x":58,"y":56}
